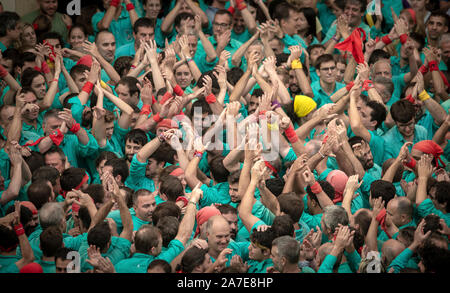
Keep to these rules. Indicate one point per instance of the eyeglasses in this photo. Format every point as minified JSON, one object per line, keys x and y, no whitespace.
{"x":328,"y":68}
{"x":221,"y":25}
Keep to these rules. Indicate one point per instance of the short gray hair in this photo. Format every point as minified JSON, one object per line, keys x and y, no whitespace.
{"x":51,"y":214}
{"x":334,"y":215}
{"x":288,"y":247}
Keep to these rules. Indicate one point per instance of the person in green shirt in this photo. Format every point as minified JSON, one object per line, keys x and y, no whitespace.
{"x":148,"y":241}
{"x":288,"y":19}
{"x":143,"y":31}
{"x":51,"y":239}
{"x":244,"y":25}
{"x":327,"y":85}
{"x":9,"y":29}
{"x":285,"y":253}
{"x":60,"y":22}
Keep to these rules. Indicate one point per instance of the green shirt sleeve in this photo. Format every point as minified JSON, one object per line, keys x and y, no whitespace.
{"x":327,"y":264}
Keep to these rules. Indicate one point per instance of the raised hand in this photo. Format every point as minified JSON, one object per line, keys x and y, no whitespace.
{"x":308,"y":177}
{"x":424,"y":166}
{"x":66,"y":116}
{"x":378,"y":206}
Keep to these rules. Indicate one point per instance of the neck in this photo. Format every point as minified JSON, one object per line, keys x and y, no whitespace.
{"x":29,"y":121}
{"x":214,"y":254}
{"x":291,"y":268}
{"x":431,"y":42}
{"x":327,"y":87}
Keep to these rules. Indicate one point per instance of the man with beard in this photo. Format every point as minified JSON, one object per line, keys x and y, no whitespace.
{"x":437,"y":25}
{"x":60,"y":22}
{"x":231,"y":215}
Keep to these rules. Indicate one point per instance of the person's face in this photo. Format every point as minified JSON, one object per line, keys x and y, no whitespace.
{"x":406,"y":129}
{"x":406,"y":16}
{"x":183,"y":76}
{"x":315,"y":53}
{"x":100,"y":167}
{"x":354,"y":14}
{"x":232,"y":220}
{"x":277,"y":46}
{"x":54,"y":42}
{"x":109,"y":130}
{"x":327,"y":72}
{"x":144,"y":34}
{"x":221,"y":24}
{"x":49,"y":7}
{"x":106,"y":45}
{"x":238,"y":23}
{"x":255,"y":252}
{"x":290,"y":25}
{"x":340,"y":71}
{"x":80,"y":80}
{"x":365,"y":115}
{"x":276,"y":259}
{"x":61,"y":265}
{"x":234,"y":194}
{"x":418,"y":5}
{"x":161,"y":130}
{"x":152,"y":168}
{"x":363,"y":154}
{"x":30,"y":98}
{"x":436,"y":27}
{"x":383,"y":69}
{"x":134,"y":119}
{"x":152,"y":8}
{"x":51,"y":124}
{"x":192,"y":43}
{"x":77,"y":38}
{"x":28,"y":36}
{"x":38,"y":86}
{"x":407,"y":49}
{"x":253,"y":104}
{"x":302,"y":22}
{"x":54,"y":160}
{"x":253,"y":10}
{"x":8,"y":64}
{"x":7,"y":115}
{"x":131,"y":148}
{"x":123,"y":92}
{"x":293,"y":83}
{"x":219,"y":238}
{"x":445,"y":48}
{"x":144,"y":207}
{"x":392,"y":214}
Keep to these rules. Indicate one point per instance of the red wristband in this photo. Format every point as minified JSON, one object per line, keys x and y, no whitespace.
{"x":386,"y":40}
{"x":178,"y":90}
{"x":44,"y":67}
{"x":183,"y":199}
{"x":316,"y":188}
{"x":423,"y":69}
{"x":349,"y":86}
{"x":3,"y":72}
{"x":198,"y":154}
{"x":381,"y":215}
{"x":240,"y":5}
{"x":291,"y":135}
{"x":146,"y":110}
{"x":211,"y":98}
{"x":411,"y":164}
{"x":231,"y":9}
{"x":114,"y":3}
{"x":157,"y":118}
{"x":154,"y":100}
{"x":166,"y":96}
{"x":88,"y":86}
{"x":410,"y":99}
{"x":130,"y":6}
{"x":433,"y":65}
{"x":367,"y":85}
{"x":403,"y":38}
{"x":19,"y":230}
{"x":75,"y":128}
{"x":57,"y":137}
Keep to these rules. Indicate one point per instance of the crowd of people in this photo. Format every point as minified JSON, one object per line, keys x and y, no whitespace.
{"x":259,"y":136}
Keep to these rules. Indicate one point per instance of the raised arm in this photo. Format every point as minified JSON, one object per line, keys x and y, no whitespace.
{"x":131,"y":11}
{"x":322,"y":197}
{"x":92,"y":49}
{"x":187,"y":224}
{"x":425,"y":170}
{"x":25,"y":247}
{"x":105,"y":22}
{"x":125,"y":215}
{"x":237,"y":56}
{"x":16,"y":176}
{"x":53,"y":88}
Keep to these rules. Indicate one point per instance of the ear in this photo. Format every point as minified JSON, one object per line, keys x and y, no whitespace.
{"x":118,"y":178}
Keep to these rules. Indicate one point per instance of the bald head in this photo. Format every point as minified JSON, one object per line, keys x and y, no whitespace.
{"x":381,"y":68}
{"x":400,"y":210}
{"x":390,"y":249}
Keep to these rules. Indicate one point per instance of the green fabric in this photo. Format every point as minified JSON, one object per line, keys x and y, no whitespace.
{"x":394,"y":140}
{"x":322,"y":98}
{"x":121,"y":28}
{"x":58,"y":24}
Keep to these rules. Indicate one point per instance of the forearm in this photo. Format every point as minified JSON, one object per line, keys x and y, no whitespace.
{"x":191,"y":172}
{"x":27,"y":251}
{"x":249,"y":20}
{"x":238,"y":88}
{"x":304,"y":83}
{"x":371,"y":237}
{"x":13,"y":84}
{"x":269,"y":200}
{"x":421,"y":193}
{"x":305,"y":129}
{"x":196,"y":73}
{"x":50,"y":95}
{"x":45,"y":144}
{"x":231,"y":161}
{"x":268,"y":51}
{"x":13,"y":133}
{"x":125,"y":216}
{"x":102,"y":213}
{"x":211,"y":54}
{"x":347,"y":202}
{"x":132,"y":13}
{"x":244,"y":178}
{"x":158,"y":79}
{"x":122,"y":105}
{"x":390,"y":172}
{"x":314,"y":160}
{"x":338,"y":95}
{"x":148,"y":149}
{"x":167,"y":24}
{"x":350,"y":70}
{"x":187,"y":223}
{"x":439,"y":136}
{"x":14,"y":186}
{"x":105,"y":22}
{"x":436,"y":111}
{"x":109,"y":69}
{"x":82,"y":136}
{"x":70,"y":82}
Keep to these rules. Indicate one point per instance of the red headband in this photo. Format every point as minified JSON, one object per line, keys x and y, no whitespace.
{"x":272,"y":168}
{"x":84,"y":180}
{"x":177,"y":172}
{"x":413,"y":14}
